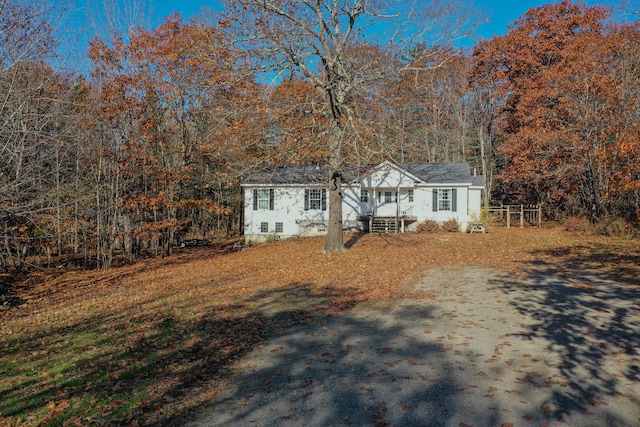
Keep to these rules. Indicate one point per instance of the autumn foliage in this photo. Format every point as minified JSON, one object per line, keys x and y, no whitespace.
{"x":148,"y":147}
{"x":568,"y":110}
{"x":106,"y":171}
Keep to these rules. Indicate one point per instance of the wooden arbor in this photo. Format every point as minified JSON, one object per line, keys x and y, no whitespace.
{"x":532,"y":214}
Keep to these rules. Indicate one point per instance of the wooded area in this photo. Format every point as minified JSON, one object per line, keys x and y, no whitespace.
{"x":124,"y":160}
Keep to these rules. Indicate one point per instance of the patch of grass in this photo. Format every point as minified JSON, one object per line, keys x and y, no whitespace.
{"x":110,"y":367}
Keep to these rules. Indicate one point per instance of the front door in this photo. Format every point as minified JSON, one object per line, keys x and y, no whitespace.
{"x":386,"y":202}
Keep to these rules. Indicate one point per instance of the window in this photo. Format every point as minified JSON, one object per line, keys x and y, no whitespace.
{"x":444,"y":199}
{"x":263,"y":199}
{"x":279,"y":227}
{"x":410,"y":195}
{"x":264,"y":227}
{"x":315,"y":199}
{"x":388,"y":197}
{"x":364,"y":196}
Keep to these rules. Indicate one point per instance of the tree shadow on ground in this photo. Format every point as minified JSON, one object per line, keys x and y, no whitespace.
{"x":585,"y":303}
{"x":148,"y":363}
{"x":366,"y":366}
{"x":355,"y":238}
{"x":319,"y":359}
{"x":350,"y":369}
{"x":8,"y":295}
{"x":154,"y":367}
{"x":127,"y":366}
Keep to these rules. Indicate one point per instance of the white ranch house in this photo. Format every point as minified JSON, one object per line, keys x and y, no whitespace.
{"x":292,"y":200}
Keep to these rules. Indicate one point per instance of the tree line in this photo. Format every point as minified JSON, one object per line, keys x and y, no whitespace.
{"x":149,"y":145}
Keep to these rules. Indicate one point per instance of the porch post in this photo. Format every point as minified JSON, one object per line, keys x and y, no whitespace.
{"x":397,"y":207}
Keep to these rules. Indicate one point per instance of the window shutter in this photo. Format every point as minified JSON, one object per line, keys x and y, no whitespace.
{"x":306,"y":200}
{"x":435,"y":199}
{"x":324,"y":199}
{"x":271,"y":197}
{"x":454,"y":199}
{"x":255,"y":199}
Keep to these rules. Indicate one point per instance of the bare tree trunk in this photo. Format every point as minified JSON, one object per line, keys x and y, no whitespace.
{"x":58,"y":208}
{"x":483,"y":157}
{"x":335,"y":241}
{"x":321,"y":40}
{"x":98,"y":213}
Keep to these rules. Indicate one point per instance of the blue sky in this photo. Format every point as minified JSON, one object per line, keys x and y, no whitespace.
{"x":81,"y":26}
{"x":501,"y":13}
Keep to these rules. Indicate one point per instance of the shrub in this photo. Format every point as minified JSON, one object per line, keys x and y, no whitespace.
{"x":272,"y":237}
{"x":576,"y":224}
{"x":451,"y":226}
{"x":612,"y":226}
{"x":485,"y":217}
{"x":429,"y":226}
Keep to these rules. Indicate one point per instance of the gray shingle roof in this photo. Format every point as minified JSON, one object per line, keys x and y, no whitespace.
{"x":477,"y":181}
{"x":289,"y":175}
{"x":446,"y":173}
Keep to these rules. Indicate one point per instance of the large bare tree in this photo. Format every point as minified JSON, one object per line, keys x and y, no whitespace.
{"x":321,"y":40}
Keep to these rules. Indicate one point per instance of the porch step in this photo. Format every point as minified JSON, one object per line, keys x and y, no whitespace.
{"x":384,"y":225}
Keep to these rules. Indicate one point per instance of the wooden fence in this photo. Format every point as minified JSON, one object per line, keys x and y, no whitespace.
{"x":530,"y":214}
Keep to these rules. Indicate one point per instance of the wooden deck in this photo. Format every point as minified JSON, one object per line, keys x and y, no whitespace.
{"x":387,"y":224}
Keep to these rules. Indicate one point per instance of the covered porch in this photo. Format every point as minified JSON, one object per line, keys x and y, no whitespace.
{"x":387,"y":209}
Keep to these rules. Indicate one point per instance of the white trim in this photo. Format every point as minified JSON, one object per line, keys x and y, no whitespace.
{"x":446,"y":184}
{"x":387,"y":164}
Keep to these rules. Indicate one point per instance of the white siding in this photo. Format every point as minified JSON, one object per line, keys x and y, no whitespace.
{"x":387,"y":178}
{"x":461,"y":213}
{"x":475,"y":203}
{"x":289,"y":204}
{"x":351,"y":205}
{"x":288,"y":208}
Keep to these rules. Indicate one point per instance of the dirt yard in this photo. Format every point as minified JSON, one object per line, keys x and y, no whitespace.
{"x":536,"y":324}
{"x":487,"y":349}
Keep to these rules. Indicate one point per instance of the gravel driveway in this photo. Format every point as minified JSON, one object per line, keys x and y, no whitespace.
{"x":547,"y":348}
